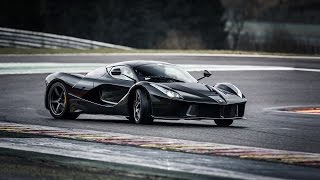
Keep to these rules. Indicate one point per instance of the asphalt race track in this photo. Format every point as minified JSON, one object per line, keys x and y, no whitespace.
{"x":21,"y":101}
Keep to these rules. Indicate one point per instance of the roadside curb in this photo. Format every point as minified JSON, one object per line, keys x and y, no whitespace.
{"x":304,"y":110}
{"x":310,"y":111}
{"x":169,"y":144}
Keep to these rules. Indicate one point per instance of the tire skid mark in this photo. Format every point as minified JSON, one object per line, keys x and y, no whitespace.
{"x":169,"y":144}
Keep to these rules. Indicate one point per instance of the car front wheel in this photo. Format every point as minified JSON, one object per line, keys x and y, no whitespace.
{"x":142,"y":108}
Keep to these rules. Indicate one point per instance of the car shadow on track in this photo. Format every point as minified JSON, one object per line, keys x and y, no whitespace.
{"x":156,"y":123}
{"x":182,"y":124}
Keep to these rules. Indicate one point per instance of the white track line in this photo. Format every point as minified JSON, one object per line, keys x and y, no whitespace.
{"x":36,"y":68}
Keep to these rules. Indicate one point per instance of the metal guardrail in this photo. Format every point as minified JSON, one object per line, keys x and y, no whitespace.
{"x":30,"y":39}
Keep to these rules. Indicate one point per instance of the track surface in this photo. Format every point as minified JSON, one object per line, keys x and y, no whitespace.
{"x":21,"y":100}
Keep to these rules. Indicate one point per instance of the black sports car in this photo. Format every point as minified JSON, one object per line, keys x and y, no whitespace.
{"x":142,"y":91}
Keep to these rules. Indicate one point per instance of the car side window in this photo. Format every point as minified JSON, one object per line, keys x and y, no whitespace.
{"x":97,"y":72}
{"x":125,"y":71}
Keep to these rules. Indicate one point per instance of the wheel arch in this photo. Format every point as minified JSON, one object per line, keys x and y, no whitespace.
{"x":229,"y":88}
{"x":48,"y":88}
{"x":64,"y":78}
{"x":131,"y":96}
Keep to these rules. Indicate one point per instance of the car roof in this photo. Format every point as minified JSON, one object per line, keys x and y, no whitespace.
{"x":136,"y":63}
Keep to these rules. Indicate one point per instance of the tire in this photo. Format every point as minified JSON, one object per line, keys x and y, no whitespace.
{"x":131,"y":118}
{"x":141,"y":108}
{"x":223,"y":122}
{"x":58,"y":102}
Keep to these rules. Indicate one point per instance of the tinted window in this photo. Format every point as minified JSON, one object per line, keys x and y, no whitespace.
{"x":152,"y":72}
{"x":125,"y":71}
{"x":97,"y":72}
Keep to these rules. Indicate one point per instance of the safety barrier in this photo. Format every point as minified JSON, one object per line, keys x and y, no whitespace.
{"x":30,"y":39}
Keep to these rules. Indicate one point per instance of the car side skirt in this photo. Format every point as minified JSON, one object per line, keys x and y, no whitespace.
{"x":197,"y":118}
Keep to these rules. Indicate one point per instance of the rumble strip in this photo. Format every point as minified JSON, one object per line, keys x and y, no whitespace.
{"x":169,"y":144}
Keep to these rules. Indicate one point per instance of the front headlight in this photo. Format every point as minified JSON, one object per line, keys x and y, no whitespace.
{"x":239,"y":93}
{"x":170,"y":93}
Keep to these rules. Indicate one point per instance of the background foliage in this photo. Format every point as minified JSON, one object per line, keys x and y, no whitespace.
{"x":251,"y":25}
{"x":178,"y":24}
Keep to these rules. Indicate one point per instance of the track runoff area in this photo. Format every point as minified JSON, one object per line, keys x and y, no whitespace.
{"x":182,"y":155}
{"x":210,"y":160}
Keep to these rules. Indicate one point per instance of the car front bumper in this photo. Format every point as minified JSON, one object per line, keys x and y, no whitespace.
{"x":164,"y":108}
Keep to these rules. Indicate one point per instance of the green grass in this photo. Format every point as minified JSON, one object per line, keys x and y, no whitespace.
{"x":19,"y":164}
{"x":151,"y":51}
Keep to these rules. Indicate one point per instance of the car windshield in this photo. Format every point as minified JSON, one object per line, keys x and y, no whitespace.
{"x":162,"y":73}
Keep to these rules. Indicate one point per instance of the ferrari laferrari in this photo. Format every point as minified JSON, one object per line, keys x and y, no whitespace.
{"x":143,"y":91}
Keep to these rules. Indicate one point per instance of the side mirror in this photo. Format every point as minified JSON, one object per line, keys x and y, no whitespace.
{"x":116,"y":72}
{"x":206,"y":73}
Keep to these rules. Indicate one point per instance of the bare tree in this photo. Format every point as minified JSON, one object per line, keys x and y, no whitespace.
{"x":238,"y":11}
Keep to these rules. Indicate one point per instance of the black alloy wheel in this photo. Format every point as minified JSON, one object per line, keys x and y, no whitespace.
{"x":142,"y":108}
{"x":58,"y":102}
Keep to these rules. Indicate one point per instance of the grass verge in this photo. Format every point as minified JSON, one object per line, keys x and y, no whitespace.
{"x":18,"y":164}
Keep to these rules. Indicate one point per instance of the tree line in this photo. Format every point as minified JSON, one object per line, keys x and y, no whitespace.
{"x":164,"y":24}
{"x":177,"y":24}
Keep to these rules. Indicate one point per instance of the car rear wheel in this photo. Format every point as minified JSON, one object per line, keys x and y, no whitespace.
{"x":58,"y":102}
{"x":141,"y":108}
{"x":223,"y":122}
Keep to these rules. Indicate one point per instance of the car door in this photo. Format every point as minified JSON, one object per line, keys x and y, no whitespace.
{"x":82,"y":88}
{"x":115,"y":84}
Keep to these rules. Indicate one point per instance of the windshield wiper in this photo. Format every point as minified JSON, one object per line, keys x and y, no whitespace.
{"x":162,"y":78}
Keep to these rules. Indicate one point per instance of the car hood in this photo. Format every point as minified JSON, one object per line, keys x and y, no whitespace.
{"x":198,"y":92}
